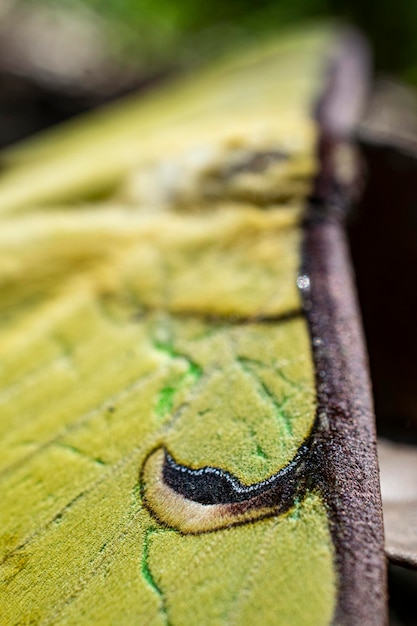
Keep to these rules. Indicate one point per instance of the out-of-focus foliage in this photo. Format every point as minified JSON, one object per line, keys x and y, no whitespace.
{"x":59,"y":58}
{"x":185,"y":30}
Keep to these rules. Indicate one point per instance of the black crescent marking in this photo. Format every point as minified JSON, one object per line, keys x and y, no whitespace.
{"x":211,"y":485}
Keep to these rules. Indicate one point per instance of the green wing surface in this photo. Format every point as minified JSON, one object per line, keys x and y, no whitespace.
{"x":157,"y":385}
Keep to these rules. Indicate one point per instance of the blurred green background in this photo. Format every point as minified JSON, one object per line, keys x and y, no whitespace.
{"x":157,"y":29}
{"x":59,"y":58}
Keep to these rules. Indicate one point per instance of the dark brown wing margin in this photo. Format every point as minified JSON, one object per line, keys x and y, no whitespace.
{"x":346,"y":439}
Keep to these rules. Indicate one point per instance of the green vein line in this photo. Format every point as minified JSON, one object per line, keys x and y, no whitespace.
{"x":166,"y":397}
{"x":147,"y":573}
{"x":268,"y":395}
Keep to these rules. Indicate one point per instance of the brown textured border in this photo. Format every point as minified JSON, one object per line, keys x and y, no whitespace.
{"x":345,"y":438}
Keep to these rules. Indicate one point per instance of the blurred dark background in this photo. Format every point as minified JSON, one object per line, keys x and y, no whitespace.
{"x":61,"y":57}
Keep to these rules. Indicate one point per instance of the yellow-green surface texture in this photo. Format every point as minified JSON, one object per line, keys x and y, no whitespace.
{"x":164,"y":314}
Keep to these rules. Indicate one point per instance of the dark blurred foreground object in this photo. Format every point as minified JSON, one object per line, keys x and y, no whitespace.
{"x":383,"y":235}
{"x":403,"y":596}
{"x":398,"y":465}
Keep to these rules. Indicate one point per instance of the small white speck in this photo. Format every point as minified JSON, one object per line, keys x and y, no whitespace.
{"x":303,"y":282}
{"x":324,"y":420}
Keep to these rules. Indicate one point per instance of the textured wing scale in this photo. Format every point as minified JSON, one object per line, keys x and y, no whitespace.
{"x":165,"y":322}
